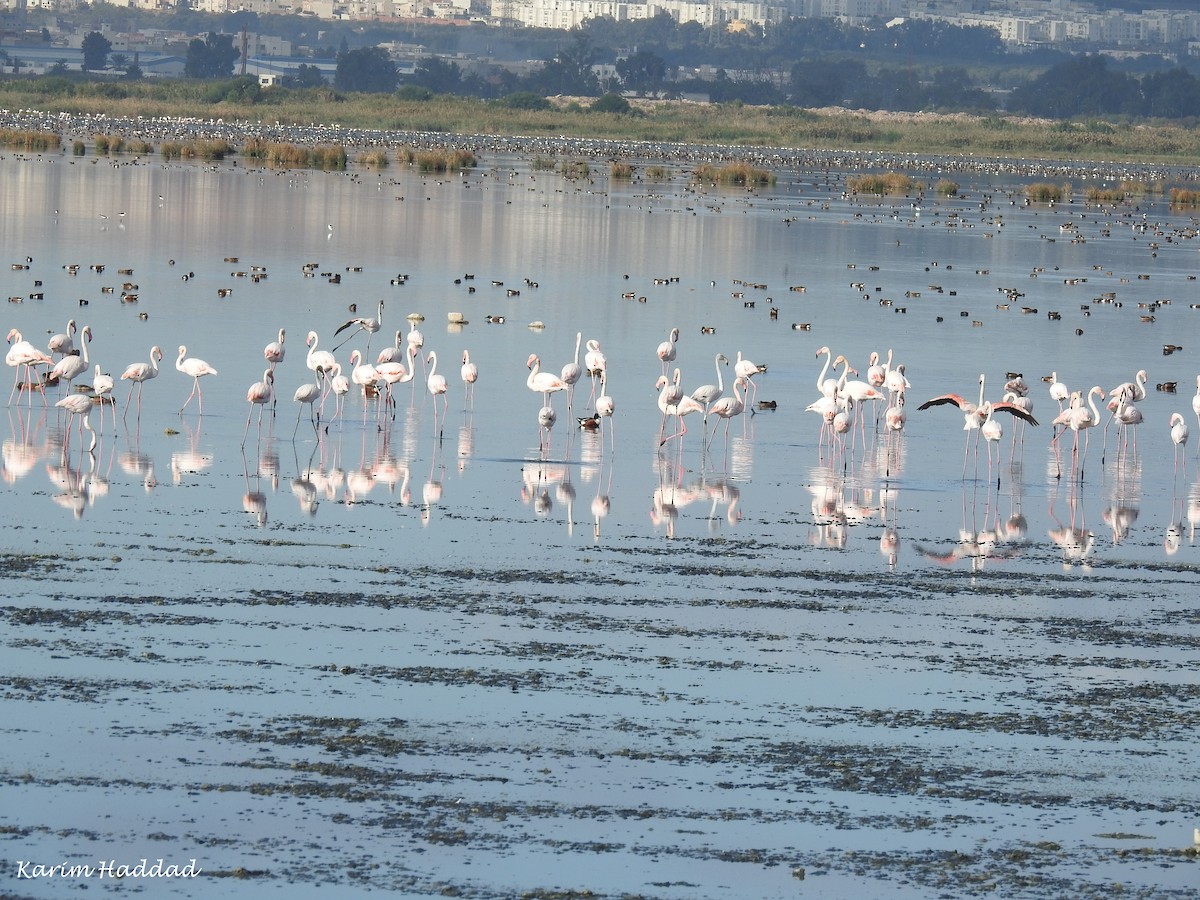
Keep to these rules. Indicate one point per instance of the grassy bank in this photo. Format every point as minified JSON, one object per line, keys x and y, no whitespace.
{"x":674,"y":122}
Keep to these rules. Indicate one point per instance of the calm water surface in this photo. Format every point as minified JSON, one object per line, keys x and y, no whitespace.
{"x":433,"y":654}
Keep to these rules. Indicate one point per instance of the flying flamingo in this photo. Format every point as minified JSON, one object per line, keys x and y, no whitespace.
{"x":139,"y":373}
{"x":470,"y":374}
{"x":71,"y":367}
{"x":63,"y":343}
{"x":197,"y":369}
{"x":666,"y":350}
{"x":258,"y":394}
{"x":21,"y":353}
{"x":572,"y":372}
{"x":364,"y":323}
{"x":437,"y":386}
{"x":1179,"y":436}
{"x":973,"y":417}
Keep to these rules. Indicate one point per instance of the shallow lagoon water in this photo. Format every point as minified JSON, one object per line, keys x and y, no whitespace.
{"x":372,"y":659}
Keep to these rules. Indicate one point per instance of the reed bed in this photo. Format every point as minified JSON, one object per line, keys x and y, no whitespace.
{"x":375,"y":158}
{"x":1046,"y":192}
{"x":621,"y":171}
{"x":207,"y":150}
{"x":444,"y":160}
{"x":295,"y":156}
{"x":881,"y":184}
{"x":34,"y":141}
{"x":576,"y":168}
{"x":740,"y":174}
{"x":657,"y":173}
{"x":946,"y":188}
{"x":1183,"y":197}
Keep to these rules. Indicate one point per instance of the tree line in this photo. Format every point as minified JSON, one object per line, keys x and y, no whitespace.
{"x":916,"y":65}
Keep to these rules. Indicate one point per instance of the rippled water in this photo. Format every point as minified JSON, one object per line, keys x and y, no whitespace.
{"x":429,"y":654}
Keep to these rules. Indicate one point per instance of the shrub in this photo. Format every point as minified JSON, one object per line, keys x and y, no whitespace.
{"x":622,"y":171}
{"x":611,"y":103}
{"x":1182,"y":197}
{"x":576,"y":168}
{"x":445,"y":160}
{"x":886,"y":183}
{"x":525,"y":100}
{"x":734,"y":173}
{"x":414,"y":93}
{"x":946,"y":188}
{"x":1045,"y":192}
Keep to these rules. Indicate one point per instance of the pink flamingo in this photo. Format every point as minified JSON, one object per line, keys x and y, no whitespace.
{"x":20,"y":354}
{"x":469,"y":374}
{"x":259,"y":394}
{"x":71,"y":367}
{"x":667,"y":351}
{"x":196,"y":369}
{"x":139,"y":373}
{"x":1079,"y":418}
{"x":437,"y":387}
{"x":974,"y":415}
{"x":1179,"y":436}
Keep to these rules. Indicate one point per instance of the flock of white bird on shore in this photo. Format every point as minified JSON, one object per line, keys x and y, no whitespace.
{"x":841,"y":403}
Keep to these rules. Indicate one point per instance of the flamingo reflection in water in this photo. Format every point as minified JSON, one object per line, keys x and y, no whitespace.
{"x":1074,"y":539}
{"x":977,"y":544}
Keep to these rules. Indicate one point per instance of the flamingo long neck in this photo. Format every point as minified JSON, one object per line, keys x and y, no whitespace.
{"x":717,"y":365}
{"x":981,"y":381}
{"x":1092,"y":404}
{"x":536,"y":367}
{"x":824,"y":369}
{"x":578,"y":339}
{"x":87,"y":336}
{"x":432,"y":363}
{"x":887,"y":366}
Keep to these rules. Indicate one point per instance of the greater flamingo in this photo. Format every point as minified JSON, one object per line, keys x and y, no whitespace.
{"x":20,"y":354}
{"x":307,"y":395}
{"x":71,"y":367}
{"x":667,"y":351}
{"x":595,"y":362}
{"x":437,"y":387}
{"x":729,"y":407}
{"x":744,"y":368}
{"x":1179,"y":436}
{"x":364,"y":323}
{"x":974,"y":415}
{"x":258,"y":394}
{"x":196,"y":369}
{"x":470,"y":374}
{"x":274,"y":351}
{"x":63,"y":343}
{"x":572,"y":372}
{"x":80,"y":407}
{"x":365,"y":376}
{"x":102,"y":387}
{"x":708,"y":394}
{"x":339,"y":386}
{"x":1079,"y":418}
{"x":544,"y":383}
{"x":139,"y":373}
{"x":606,"y":406}
{"x":1196,"y":404}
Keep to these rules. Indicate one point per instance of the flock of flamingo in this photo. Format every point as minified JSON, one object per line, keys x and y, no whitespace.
{"x":841,"y":404}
